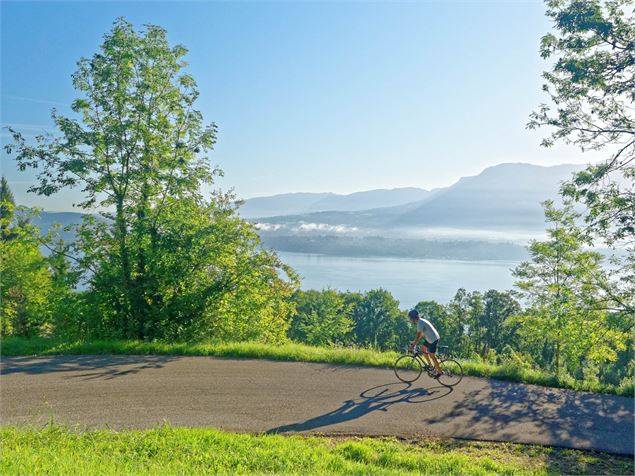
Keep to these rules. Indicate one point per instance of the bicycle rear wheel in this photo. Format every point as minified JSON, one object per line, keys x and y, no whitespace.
{"x":452,"y":373}
{"x":408,"y":368}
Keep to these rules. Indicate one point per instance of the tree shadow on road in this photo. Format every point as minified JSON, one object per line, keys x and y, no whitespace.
{"x":379,"y":398}
{"x":505,"y":411}
{"x":85,"y":367}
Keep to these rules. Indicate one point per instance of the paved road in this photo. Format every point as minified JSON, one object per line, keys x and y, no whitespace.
{"x":263,"y":396}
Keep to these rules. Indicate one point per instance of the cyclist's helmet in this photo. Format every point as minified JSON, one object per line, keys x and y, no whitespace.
{"x":413,"y":314}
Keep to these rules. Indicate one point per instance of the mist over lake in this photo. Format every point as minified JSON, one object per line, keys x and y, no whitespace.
{"x":409,"y":280}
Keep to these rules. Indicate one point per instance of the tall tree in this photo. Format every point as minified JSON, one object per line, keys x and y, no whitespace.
{"x":458,"y":321}
{"x":591,"y":86}
{"x":566,"y":316}
{"x":499,"y":307}
{"x":322,"y":318}
{"x":475,"y":323}
{"x":378,"y":320}
{"x":138,"y":152}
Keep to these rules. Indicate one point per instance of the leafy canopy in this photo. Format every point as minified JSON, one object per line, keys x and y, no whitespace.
{"x":165,"y":259}
{"x":591,"y":87}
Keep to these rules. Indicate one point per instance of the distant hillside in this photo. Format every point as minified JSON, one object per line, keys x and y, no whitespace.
{"x":300,"y":203}
{"x":505,"y":196}
{"x":375,"y":246}
{"x":500,"y":200}
{"x":284,"y":204}
{"x":46,"y":220}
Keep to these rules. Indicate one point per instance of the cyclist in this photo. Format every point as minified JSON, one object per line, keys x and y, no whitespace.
{"x":426,"y":330}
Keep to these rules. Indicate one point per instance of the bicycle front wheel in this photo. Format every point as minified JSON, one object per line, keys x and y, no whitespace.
{"x":408,"y":368}
{"x":452,"y":373}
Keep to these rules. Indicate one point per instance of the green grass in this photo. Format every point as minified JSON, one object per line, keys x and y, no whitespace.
{"x":19,"y":346}
{"x":167,"y":450}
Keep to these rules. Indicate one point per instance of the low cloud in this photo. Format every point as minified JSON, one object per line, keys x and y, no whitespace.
{"x":324,"y":227}
{"x":307,"y":228}
{"x":269,"y":226}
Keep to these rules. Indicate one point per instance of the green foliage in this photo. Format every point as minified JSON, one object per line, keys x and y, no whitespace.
{"x":499,"y":307}
{"x":165,"y":260}
{"x":167,"y":450}
{"x":328,"y":317}
{"x":25,"y":286}
{"x":459,"y":318}
{"x":491,"y":328}
{"x":322,"y":318}
{"x":591,"y":81}
{"x":26,"y":283}
{"x":592,"y":90}
{"x":7,"y":205}
{"x":378,"y":321}
{"x":473,"y":323}
{"x":204,"y":275}
{"x":68,"y":307}
{"x":567,"y":315}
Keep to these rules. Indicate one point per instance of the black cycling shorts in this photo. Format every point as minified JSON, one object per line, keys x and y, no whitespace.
{"x":432,"y":347}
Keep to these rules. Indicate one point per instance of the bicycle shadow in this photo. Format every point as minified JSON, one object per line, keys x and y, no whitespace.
{"x":379,"y":398}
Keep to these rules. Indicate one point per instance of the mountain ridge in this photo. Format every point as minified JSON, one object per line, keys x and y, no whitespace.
{"x":306,"y":202}
{"x":506,"y":195}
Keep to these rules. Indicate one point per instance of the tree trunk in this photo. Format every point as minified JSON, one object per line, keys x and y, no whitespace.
{"x":126,"y":316}
{"x":141,"y":280}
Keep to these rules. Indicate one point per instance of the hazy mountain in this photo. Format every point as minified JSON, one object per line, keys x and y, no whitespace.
{"x":301,"y":203}
{"x":506,"y":196}
{"x":47,"y":219}
{"x":284,"y":204}
{"x":499,"y":201}
{"x":370,"y":199}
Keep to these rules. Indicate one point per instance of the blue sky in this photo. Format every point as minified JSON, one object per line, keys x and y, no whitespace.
{"x":323,"y":96}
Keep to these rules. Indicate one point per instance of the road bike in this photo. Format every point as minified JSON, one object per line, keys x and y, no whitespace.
{"x":411,"y":365}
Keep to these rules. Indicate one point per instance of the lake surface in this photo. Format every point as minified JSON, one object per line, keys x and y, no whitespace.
{"x":409,"y":280}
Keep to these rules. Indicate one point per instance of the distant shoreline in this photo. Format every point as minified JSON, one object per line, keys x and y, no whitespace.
{"x":497,"y":262}
{"x":381,"y":247}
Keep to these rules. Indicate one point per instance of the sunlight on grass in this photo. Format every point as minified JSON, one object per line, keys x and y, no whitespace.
{"x":167,"y":450}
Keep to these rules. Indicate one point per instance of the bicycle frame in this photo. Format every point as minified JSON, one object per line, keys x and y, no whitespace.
{"x":418,"y":352}
{"x":455,"y":372}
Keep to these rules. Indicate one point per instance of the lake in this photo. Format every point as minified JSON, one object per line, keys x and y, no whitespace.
{"x":409,"y":280}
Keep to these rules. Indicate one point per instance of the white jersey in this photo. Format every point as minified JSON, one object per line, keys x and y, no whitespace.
{"x":429,"y":332}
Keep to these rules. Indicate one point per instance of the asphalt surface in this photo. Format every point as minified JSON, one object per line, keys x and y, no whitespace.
{"x":284,"y":397}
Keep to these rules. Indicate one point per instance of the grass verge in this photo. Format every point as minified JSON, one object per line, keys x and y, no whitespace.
{"x":167,"y":450}
{"x":19,"y":346}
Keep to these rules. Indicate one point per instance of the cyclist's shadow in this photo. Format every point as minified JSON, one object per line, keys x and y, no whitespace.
{"x":379,"y":398}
